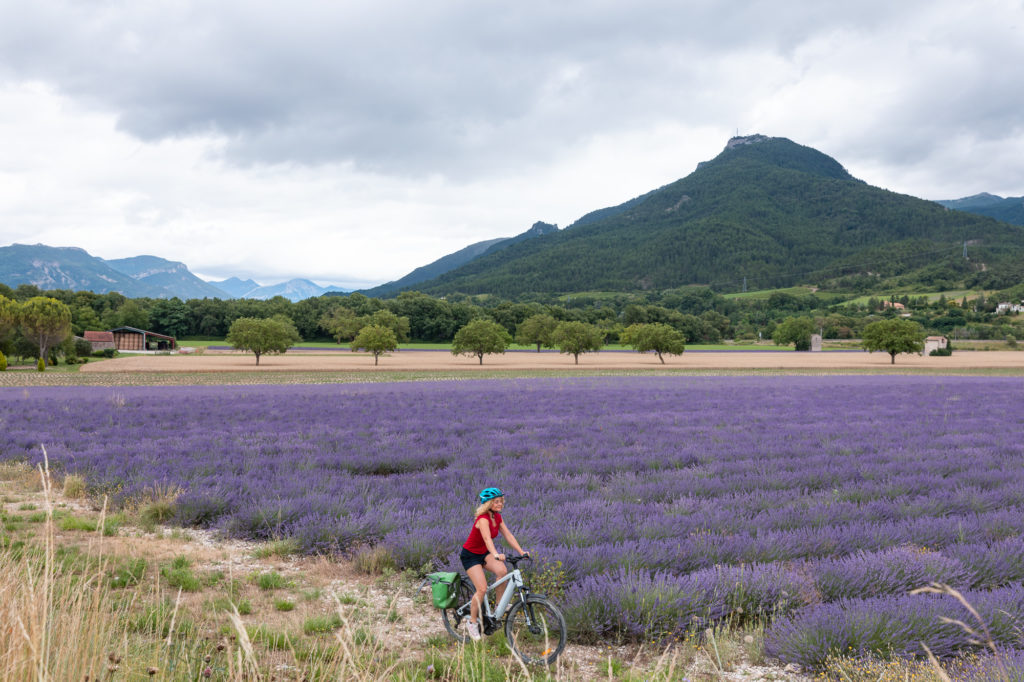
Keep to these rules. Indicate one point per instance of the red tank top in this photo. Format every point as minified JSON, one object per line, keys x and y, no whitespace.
{"x":475,"y":542}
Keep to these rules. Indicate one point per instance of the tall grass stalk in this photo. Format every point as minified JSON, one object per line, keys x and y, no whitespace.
{"x":53,"y":625}
{"x":981,"y":636}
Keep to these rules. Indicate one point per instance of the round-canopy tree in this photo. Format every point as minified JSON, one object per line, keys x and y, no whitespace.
{"x":577,"y":337}
{"x":796,"y":331}
{"x":657,"y":337}
{"x":480,"y":337}
{"x":376,"y":339}
{"x":536,"y":329}
{"x":45,"y":322}
{"x":893,"y":336}
{"x":260,"y":336}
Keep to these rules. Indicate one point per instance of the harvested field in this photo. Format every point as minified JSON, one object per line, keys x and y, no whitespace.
{"x":441,"y":361}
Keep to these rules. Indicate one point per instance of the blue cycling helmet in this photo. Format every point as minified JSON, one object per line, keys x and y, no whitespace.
{"x":490,"y":494}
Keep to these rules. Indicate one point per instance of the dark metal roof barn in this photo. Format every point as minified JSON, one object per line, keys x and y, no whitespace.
{"x":130,"y":338}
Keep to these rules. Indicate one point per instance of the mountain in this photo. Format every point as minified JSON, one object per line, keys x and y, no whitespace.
{"x":293,"y":290}
{"x":236,"y":288}
{"x":52,"y":267}
{"x":169,"y":277}
{"x":765,"y":211}
{"x":455,"y":260}
{"x":1009,"y":210}
{"x":432,"y":270}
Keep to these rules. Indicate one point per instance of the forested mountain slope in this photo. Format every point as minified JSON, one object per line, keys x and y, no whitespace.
{"x":765,"y":209}
{"x":1009,"y":209}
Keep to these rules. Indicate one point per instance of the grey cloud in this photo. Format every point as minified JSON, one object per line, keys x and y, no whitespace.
{"x":455,"y":88}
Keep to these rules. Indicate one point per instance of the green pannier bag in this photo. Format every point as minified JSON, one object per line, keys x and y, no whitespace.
{"x":445,"y":588}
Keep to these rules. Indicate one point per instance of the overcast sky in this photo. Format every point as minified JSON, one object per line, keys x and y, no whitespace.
{"x":349,"y":142}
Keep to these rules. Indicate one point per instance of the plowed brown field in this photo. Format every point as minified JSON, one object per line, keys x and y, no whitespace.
{"x":413,"y":360}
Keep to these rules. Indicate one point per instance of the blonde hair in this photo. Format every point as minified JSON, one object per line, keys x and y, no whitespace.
{"x":484,"y":508}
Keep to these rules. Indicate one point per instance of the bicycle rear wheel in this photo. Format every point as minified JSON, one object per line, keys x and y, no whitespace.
{"x":535,"y":631}
{"x":453,"y":622}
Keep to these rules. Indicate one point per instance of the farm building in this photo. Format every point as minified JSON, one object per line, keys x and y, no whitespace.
{"x":935,"y":343}
{"x":130,"y":338}
{"x":100,"y":340}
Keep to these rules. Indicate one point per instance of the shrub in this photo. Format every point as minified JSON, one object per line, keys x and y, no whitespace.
{"x":374,"y":560}
{"x":77,"y":523}
{"x":158,"y":511}
{"x":41,"y":365}
{"x":109,"y":353}
{"x":128,"y":573}
{"x":272,"y":639}
{"x":74,"y":486}
{"x":82,"y":348}
{"x":321,"y":624}
{"x":892,"y":571}
{"x":271,"y":580}
{"x":892,"y":626}
{"x":3,"y":362}
{"x":281,"y":548}
{"x":183,"y":578}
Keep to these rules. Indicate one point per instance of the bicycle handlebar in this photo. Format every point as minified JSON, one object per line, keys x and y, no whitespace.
{"x":516,"y":559}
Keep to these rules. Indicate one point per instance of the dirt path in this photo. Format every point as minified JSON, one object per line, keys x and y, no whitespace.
{"x":409,"y":360}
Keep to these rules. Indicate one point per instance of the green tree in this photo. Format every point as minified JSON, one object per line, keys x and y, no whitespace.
{"x":430,"y":319}
{"x":341,"y":323}
{"x":8,"y":317}
{"x":577,"y":337}
{"x":263,"y":336}
{"x":170,"y":316}
{"x":480,"y":337}
{"x":536,"y":329}
{"x":656,"y":337}
{"x":397,"y":324}
{"x":795,"y":330}
{"x":45,"y":322}
{"x":376,"y":339}
{"x":83,"y":319}
{"x":893,"y":336}
{"x":131,"y":314}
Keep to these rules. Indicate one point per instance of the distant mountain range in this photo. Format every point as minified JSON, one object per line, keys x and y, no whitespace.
{"x":1009,"y":210}
{"x":50,"y":267}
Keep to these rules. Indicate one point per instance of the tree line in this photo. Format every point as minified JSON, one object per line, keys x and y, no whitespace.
{"x":698,"y":314}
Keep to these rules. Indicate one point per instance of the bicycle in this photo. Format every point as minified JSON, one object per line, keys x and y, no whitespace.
{"x":534,"y":627}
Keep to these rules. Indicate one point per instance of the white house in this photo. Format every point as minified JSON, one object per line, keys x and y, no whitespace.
{"x":1009,"y":308}
{"x":934,"y":343}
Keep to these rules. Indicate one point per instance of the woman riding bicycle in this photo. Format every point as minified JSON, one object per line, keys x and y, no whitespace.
{"x":478,"y":552}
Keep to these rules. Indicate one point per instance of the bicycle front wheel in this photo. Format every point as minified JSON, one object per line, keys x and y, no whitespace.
{"x":453,"y":622}
{"x":535,"y":631}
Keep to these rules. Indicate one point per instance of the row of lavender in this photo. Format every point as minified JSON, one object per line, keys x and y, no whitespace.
{"x":669,"y":501}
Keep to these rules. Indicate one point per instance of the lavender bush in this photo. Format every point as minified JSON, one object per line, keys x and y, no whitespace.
{"x":670,"y":498}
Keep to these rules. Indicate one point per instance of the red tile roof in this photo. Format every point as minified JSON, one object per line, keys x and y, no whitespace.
{"x":98,"y":336}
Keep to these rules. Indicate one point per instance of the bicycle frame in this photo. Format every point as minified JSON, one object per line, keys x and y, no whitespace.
{"x":516,"y":578}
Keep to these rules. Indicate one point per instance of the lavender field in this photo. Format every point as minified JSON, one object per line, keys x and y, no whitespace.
{"x":671,"y":502}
